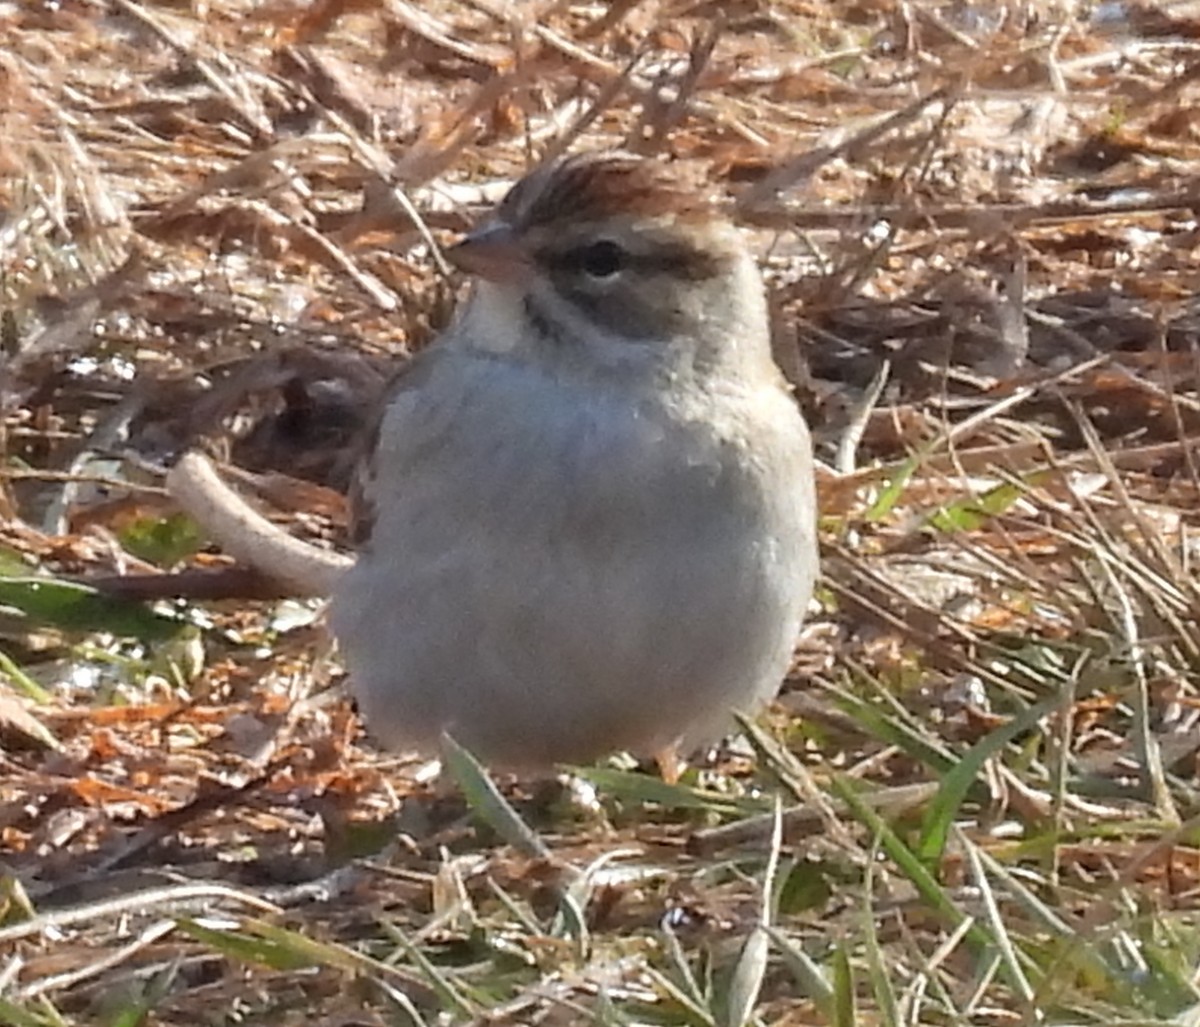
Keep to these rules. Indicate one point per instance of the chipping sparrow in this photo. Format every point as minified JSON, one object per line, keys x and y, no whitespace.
{"x":588,"y":522}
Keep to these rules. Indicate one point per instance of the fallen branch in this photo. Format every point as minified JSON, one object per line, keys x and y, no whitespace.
{"x":198,"y":584}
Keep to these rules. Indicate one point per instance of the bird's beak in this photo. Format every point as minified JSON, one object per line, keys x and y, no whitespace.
{"x":491,"y":252}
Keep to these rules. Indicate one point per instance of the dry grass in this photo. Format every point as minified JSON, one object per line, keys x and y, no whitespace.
{"x":981,"y":225}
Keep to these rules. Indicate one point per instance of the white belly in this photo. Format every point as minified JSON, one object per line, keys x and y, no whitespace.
{"x":550,"y":583}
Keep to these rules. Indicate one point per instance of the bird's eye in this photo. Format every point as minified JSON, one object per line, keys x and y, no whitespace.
{"x":601,"y":259}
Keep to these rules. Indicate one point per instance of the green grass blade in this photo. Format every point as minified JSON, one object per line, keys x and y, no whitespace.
{"x":935,"y":829}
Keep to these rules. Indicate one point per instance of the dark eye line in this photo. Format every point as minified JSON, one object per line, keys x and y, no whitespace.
{"x":600,"y":259}
{"x":680,"y":261}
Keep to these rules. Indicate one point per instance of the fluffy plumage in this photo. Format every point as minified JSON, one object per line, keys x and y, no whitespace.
{"x":591,"y":513}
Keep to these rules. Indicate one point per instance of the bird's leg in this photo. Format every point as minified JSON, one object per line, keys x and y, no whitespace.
{"x":670,"y":764}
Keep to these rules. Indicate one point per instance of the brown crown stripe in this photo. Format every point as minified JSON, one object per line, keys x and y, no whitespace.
{"x":591,"y":187}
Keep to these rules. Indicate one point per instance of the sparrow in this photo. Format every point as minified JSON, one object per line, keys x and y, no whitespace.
{"x":587,"y":520}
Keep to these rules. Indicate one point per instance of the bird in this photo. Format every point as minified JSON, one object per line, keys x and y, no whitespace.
{"x":586,"y":522}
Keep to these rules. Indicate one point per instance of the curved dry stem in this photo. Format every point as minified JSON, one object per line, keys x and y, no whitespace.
{"x":247,"y":535}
